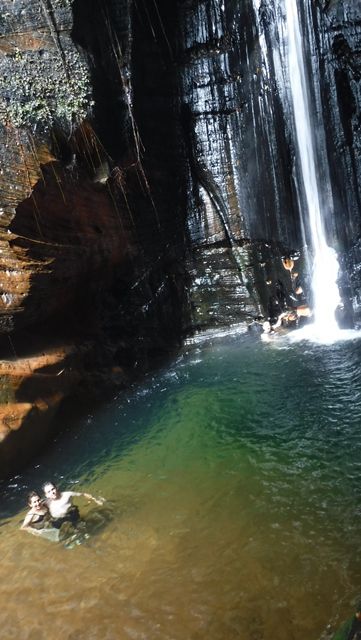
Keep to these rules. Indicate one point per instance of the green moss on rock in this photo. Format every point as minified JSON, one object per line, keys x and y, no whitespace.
{"x":39,"y":86}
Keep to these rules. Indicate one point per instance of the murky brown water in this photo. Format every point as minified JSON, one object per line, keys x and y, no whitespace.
{"x":234,"y":507}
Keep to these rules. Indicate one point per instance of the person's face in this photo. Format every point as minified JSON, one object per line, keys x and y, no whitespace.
{"x":50,"y":491}
{"x":35,"y":502}
{"x":267,"y":327}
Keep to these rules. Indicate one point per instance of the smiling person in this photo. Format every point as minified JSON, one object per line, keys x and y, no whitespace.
{"x":37,"y":517}
{"x":60,"y":504}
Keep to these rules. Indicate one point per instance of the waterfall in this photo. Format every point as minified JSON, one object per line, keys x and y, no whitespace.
{"x":325,"y":265}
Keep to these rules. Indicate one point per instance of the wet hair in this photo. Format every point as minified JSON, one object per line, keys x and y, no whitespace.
{"x":46,"y":484}
{"x":33,"y":494}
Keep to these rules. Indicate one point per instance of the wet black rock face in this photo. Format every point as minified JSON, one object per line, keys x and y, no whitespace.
{"x":246,"y":187}
{"x":338,"y":40}
{"x":189,"y":103}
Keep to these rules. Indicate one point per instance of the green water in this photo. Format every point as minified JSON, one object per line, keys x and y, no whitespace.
{"x":233,"y":481}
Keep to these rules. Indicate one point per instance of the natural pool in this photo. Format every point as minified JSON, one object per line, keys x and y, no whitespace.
{"x":233,"y":477}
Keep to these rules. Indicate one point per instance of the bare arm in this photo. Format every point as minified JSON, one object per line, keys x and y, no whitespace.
{"x":88,"y":496}
{"x":279,"y":320}
{"x":27,"y":520}
{"x":26,"y":525}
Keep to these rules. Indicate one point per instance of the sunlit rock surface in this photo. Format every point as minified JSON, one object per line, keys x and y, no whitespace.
{"x":92,"y":233}
{"x":31,"y":391}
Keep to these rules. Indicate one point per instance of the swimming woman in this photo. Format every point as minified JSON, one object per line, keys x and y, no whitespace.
{"x":37,"y":517}
{"x":61,"y":506}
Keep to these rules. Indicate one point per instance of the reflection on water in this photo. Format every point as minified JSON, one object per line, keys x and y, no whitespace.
{"x":233,"y":481}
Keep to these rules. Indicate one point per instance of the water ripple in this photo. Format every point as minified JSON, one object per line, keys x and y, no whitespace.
{"x":234,"y":475}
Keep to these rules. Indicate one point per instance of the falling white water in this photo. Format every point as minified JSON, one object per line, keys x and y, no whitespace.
{"x":325,"y":267}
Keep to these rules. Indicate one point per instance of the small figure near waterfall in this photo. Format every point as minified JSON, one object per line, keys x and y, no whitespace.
{"x":287,"y":306}
{"x":296,"y":299}
{"x":38,"y":515}
{"x":288,"y":319}
{"x":351,"y":629}
{"x":288,"y":263}
{"x":61,"y":507}
{"x":271,"y":328}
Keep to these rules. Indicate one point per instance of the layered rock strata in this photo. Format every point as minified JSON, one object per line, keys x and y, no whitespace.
{"x":90,"y":257}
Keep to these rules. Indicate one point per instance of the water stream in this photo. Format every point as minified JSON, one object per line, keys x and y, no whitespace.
{"x":325,"y":263}
{"x":232,"y":483}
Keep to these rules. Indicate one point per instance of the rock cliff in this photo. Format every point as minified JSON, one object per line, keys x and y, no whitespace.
{"x":92,"y":236}
{"x":149,"y":182}
{"x":246,"y":189}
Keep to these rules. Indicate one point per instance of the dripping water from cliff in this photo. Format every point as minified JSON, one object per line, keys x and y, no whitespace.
{"x":325,"y":263}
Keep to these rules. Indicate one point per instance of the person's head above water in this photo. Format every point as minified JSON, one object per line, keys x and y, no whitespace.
{"x":267,"y":327}
{"x":50,"y":490}
{"x":34,"y":500}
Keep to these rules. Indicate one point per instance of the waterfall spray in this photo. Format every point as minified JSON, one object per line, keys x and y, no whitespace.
{"x":325,"y":266}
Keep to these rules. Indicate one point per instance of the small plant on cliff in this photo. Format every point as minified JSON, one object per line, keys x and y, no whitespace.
{"x":42,"y":87}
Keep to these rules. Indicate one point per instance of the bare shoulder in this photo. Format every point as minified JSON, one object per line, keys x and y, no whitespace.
{"x":27,"y":520}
